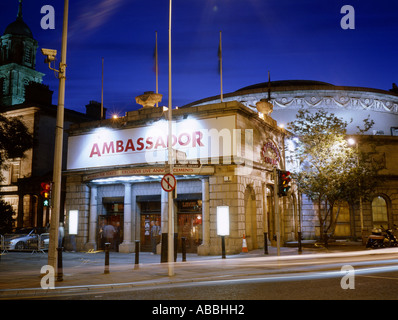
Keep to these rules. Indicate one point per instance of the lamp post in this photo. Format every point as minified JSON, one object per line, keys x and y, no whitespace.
{"x":170,"y":240}
{"x":59,"y":131}
{"x":352,"y":142}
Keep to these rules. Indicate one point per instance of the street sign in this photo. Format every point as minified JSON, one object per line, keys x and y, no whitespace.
{"x":168,"y":182}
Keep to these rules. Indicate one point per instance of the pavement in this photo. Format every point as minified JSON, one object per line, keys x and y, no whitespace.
{"x":22,"y":276}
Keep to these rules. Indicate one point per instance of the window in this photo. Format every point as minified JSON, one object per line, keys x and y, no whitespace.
{"x":14,"y":172}
{"x":379,"y":212}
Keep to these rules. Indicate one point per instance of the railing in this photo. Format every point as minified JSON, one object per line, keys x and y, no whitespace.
{"x":39,"y":244}
{"x":2,"y":245}
{"x":35,"y":243}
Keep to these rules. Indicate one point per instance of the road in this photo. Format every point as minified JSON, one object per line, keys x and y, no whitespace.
{"x":343,"y":277}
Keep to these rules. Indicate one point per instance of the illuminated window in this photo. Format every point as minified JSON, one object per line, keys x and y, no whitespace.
{"x":379,"y":212}
{"x":14,"y":172}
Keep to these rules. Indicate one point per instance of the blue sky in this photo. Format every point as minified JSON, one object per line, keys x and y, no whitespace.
{"x":291,"y":39}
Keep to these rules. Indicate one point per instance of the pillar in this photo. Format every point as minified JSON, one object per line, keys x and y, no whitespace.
{"x":204,"y":248}
{"x":127,"y":245}
{"x":93,"y":220}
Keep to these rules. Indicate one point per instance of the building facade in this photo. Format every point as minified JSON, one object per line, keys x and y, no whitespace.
{"x":352,"y":104}
{"x":23,"y":95}
{"x":225,"y":154}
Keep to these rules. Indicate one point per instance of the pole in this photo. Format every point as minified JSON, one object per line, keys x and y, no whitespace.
{"x":223,"y":247}
{"x":265,"y":242}
{"x":59,"y":131}
{"x":157,"y":67}
{"x":220,"y":57}
{"x":184,"y":249}
{"x":276,"y":197}
{"x":106,"y":268}
{"x":60,"y":272}
{"x":137,"y":254}
{"x":102,"y":90}
{"x":170,"y":194}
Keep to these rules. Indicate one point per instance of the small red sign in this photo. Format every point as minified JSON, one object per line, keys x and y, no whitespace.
{"x":168,"y":182}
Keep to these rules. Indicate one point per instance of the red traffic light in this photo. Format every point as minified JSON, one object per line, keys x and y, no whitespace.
{"x":45,"y":189}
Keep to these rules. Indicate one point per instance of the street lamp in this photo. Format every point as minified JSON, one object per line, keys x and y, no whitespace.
{"x":352,"y":142}
{"x":59,"y":132}
{"x":170,"y":239}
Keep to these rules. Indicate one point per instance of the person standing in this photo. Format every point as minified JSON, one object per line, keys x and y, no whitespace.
{"x":109,"y":233}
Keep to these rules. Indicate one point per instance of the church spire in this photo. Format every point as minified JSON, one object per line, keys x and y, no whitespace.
{"x":19,"y":16}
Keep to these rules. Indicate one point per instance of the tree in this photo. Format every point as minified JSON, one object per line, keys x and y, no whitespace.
{"x":6,"y":219}
{"x":329,"y":171}
{"x":15,"y":139}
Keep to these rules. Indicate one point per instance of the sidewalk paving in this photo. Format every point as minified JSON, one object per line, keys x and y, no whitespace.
{"x":20,"y":272}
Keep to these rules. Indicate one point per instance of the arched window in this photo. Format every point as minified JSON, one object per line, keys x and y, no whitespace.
{"x":379,"y":212}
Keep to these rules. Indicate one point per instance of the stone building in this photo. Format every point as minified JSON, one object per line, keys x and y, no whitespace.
{"x":352,"y":104}
{"x":23,"y":95}
{"x":225,"y":157}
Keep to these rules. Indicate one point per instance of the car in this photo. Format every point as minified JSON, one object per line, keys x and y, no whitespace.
{"x":21,"y":238}
{"x":43,"y":239}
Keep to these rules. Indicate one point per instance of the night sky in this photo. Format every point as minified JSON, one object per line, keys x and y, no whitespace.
{"x":293,"y":39}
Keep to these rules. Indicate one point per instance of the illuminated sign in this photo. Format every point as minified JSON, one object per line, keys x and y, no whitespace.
{"x":270,"y":153}
{"x":73,"y":221}
{"x":223,"y":220}
{"x":197,"y":139}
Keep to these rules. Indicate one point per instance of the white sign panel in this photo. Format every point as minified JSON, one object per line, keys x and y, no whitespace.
{"x":198,"y":139}
{"x":73,"y":221}
{"x":223,"y":220}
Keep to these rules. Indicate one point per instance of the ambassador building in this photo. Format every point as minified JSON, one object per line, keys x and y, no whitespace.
{"x":224,"y":156}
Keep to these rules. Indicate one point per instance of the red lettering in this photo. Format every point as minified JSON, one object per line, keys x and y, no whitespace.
{"x":119,"y":146}
{"x":160,"y":142}
{"x":173,"y":140}
{"x":149,"y":143}
{"x":140,"y":144}
{"x":95,"y":151}
{"x":130,"y":145}
{"x":187,"y":139}
{"x":108,"y":149}
{"x":197,"y":139}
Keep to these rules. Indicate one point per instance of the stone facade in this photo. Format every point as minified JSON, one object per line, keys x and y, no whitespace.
{"x":244,"y":183}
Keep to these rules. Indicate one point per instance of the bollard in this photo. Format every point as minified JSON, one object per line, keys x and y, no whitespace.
{"x":265,"y":243}
{"x":60,"y":273}
{"x":107,"y":245}
{"x":137,"y":254}
{"x":300,"y":250}
{"x":184,"y":249}
{"x":223,"y":247}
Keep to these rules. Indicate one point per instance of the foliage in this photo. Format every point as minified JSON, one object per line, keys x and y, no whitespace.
{"x":6,"y":220}
{"x":330,"y":171}
{"x":15,"y":139}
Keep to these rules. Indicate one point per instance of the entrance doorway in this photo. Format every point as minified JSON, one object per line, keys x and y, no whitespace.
{"x":189,"y":216}
{"x":150,"y":226}
{"x":110,"y":224}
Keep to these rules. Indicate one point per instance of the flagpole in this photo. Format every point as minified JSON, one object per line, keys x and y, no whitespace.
{"x":156,"y":67}
{"x":220,"y":57}
{"x":170,"y":239}
{"x":102,"y":90}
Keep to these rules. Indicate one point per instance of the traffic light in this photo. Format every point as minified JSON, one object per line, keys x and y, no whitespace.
{"x":283,"y":182}
{"x":46,"y":193}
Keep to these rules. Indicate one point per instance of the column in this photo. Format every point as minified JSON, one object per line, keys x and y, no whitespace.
{"x":204,"y":248}
{"x":92,"y":227}
{"x":127,"y":246}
